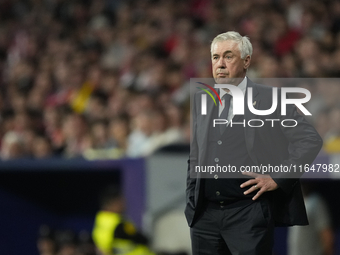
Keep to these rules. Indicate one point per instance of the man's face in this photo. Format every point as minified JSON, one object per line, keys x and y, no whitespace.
{"x":227,"y":65}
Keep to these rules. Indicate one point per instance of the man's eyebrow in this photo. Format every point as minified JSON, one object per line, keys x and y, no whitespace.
{"x":226,"y":52}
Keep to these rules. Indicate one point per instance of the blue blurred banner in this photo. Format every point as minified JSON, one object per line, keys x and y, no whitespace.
{"x":62,"y":194}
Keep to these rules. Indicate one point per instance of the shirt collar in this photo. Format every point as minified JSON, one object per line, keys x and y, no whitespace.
{"x":242,"y":86}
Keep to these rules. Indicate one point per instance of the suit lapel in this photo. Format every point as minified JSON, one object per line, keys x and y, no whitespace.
{"x":211,"y":114}
{"x":249,"y":132}
{"x":206,"y":123}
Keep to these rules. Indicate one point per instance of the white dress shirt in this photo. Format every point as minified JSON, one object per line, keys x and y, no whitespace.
{"x":243,"y":87}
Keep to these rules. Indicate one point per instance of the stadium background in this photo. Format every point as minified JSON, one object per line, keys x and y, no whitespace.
{"x":97,"y":92}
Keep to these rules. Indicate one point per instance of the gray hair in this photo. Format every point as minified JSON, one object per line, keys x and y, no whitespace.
{"x":243,"y":42}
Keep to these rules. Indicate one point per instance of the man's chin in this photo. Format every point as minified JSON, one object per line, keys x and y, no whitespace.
{"x":223,"y":80}
{"x":228,"y":80}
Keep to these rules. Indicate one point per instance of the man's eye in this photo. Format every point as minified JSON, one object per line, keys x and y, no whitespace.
{"x":214,"y":57}
{"x":229,"y":57}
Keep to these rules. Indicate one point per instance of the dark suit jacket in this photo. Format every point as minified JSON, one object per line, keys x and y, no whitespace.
{"x":283,"y":145}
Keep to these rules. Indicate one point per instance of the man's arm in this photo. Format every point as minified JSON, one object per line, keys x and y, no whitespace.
{"x":304,"y":145}
{"x":193,"y":158}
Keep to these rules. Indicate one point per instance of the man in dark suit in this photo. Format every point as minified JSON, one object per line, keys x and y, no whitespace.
{"x":235,"y":215}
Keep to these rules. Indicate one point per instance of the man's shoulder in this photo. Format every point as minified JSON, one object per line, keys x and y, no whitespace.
{"x":197,"y":94}
{"x":262,"y":89}
{"x":259,"y":86}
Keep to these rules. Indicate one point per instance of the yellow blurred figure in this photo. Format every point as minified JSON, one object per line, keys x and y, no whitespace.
{"x":112,"y":234}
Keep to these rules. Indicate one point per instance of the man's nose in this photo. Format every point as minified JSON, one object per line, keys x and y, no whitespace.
{"x":221,"y":63}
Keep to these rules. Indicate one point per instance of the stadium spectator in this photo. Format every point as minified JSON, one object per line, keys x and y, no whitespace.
{"x":65,"y":65}
{"x":112,"y":233}
{"x":332,"y":138}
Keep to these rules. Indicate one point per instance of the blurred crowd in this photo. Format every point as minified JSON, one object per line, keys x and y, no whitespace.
{"x":64,"y":242}
{"x":110,"y":78}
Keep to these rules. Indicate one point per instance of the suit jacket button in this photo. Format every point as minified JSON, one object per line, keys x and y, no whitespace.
{"x":219,"y":142}
{"x":217,"y":193}
{"x":216,"y":176}
{"x":217,"y":159}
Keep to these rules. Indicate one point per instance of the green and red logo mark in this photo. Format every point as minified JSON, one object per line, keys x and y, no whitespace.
{"x":213,"y":90}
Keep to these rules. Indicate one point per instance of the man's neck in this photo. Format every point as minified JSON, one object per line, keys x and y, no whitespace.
{"x":232,"y":81}
{"x":235,"y":82}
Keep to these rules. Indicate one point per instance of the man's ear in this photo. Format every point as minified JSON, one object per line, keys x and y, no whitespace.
{"x":246,"y":62}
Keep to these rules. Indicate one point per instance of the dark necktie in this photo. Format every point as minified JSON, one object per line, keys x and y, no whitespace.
{"x":225,"y":111}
